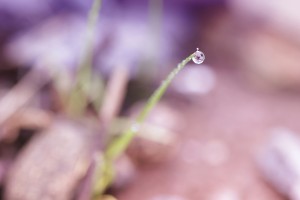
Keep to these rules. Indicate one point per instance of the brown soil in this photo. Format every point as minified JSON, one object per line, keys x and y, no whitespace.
{"x":226,"y":130}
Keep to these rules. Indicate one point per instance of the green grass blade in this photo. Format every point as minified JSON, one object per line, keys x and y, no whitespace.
{"x":120,"y":144}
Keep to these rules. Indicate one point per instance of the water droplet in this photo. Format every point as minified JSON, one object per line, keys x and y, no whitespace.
{"x":198,"y":57}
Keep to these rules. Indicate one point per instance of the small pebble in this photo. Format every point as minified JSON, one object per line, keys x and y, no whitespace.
{"x":225,"y":194}
{"x":168,"y":197}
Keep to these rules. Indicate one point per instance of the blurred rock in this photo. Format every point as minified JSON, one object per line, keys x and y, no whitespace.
{"x":164,"y":114}
{"x":168,"y":197}
{"x":225,"y":194}
{"x":279,"y":163}
{"x":53,"y":163}
{"x":213,"y":153}
{"x":124,"y":173}
{"x":271,"y":59}
{"x":268,"y":58}
{"x":158,"y":139}
{"x":270,"y":44}
{"x":194,"y":81}
{"x":282,"y":17}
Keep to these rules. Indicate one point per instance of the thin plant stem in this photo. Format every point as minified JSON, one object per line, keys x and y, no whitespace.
{"x":78,"y":97}
{"x":86,"y":61}
{"x":119,"y":145}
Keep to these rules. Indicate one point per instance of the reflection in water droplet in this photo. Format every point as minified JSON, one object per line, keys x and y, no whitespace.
{"x":198,"y":57}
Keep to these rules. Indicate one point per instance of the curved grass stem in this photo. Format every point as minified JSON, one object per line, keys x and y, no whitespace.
{"x":119,"y":145}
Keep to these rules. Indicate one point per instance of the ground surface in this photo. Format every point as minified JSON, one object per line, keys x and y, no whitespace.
{"x":216,"y":161}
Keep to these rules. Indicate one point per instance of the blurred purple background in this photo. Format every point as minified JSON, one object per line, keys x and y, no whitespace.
{"x":226,"y":111}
